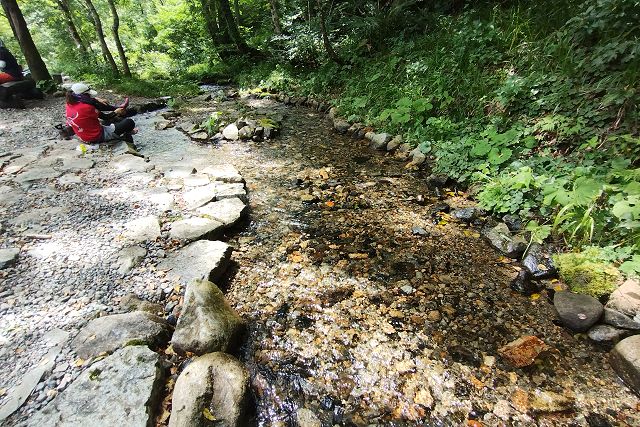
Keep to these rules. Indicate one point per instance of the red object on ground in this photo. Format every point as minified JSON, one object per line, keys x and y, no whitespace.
{"x":6,"y":78}
{"x":83,"y":118}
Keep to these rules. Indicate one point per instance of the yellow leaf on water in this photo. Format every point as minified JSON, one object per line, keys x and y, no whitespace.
{"x":535,"y":296}
{"x":208,"y":415}
{"x":451,"y":193}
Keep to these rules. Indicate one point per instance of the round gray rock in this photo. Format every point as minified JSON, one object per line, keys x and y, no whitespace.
{"x":576,"y":311}
{"x":606,"y":333}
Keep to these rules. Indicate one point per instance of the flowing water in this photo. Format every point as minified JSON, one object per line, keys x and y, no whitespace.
{"x":367,"y":307}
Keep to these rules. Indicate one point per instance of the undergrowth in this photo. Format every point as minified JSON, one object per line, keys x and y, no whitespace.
{"x":537,"y":106}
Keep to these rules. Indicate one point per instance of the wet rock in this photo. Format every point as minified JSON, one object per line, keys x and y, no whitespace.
{"x":619,"y":320}
{"x":212,"y":387}
{"x":195,"y":229}
{"x":419,"y":231}
{"x":500,"y":238}
{"x":203,"y":259}
{"x":576,"y":311}
{"x":467,"y":214}
{"x":341,"y":126}
{"x":437,"y":181}
{"x":129,"y":258}
{"x":8,"y":257}
{"x":199,"y":136}
{"x":625,"y":360}
{"x":513,"y":222}
{"x":380,"y":140}
{"x":108,"y":333}
{"x":143,"y":229}
{"x":539,"y":263}
{"x":122,"y":389}
{"x":523,"y":351}
{"x":548,"y":402}
{"x":231,"y":132}
{"x":626,"y":299}
{"x":207,"y":322}
{"x":523,"y":284}
{"x":417,"y":158}
{"x":306,"y":418}
{"x":333,"y":112}
{"x":606,"y":333}
{"x":227,"y":211}
{"x":440,"y":207}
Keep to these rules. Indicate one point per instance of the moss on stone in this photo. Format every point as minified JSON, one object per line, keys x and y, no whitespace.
{"x":584,"y":273}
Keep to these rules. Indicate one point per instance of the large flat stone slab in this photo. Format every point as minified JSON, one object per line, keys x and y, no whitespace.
{"x":109,"y":333}
{"x":195,"y":228}
{"x":207,"y":323}
{"x":230,"y":191}
{"x":200,"y":196}
{"x":203,"y":259}
{"x":129,"y":163}
{"x":37,"y":174}
{"x":217,"y":383}
{"x":224,"y":173}
{"x":227,"y":211}
{"x":120,"y":390}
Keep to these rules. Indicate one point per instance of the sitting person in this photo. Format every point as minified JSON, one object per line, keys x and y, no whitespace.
{"x":9,"y":69}
{"x":82,"y":93}
{"x":83,"y":115}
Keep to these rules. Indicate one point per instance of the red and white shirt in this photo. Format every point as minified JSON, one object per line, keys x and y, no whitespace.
{"x":83,"y":118}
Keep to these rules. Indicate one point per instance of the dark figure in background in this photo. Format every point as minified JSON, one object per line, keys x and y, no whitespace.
{"x":10,"y":71}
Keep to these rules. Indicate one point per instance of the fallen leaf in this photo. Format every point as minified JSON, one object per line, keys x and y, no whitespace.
{"x":79,"y":362}
{"x":535,"y":296}
{"x":330,"y":204}
{"x":208,"y":415}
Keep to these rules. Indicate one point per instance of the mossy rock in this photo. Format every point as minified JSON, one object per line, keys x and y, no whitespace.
{"x":584,"y":273}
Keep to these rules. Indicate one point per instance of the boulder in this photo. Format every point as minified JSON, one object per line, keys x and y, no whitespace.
{"x":129,"y":257}
{"x":619,"y":320}
{"x":417,"y":158}
{"x":626,"y":299}
{"x":380,"y":140}
{"x":143,"y":229}
{"x":394,"y":143}
{"x":227,"y":211}
{"x":539,"y":263}
{"x":195,"y":229}
{"x":131,"y":302}
{"x":500,"y":238}
{"x":341,"y":126}
{"x":577,"y":312}
{"x":8,"y":257}
{"x":213,"y":386}
{"x":606,"y":333}
{"x":207,"y":322}
{"x":513,"y":222}
{"x":245,"y":132}
{"x":122,"y":389}
{"x":231,"y":132}
{"x":203,"y":259}
{"x":625,"y":360}
{"x":109,"y":333}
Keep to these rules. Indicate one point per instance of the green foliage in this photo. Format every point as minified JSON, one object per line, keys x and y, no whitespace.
{"x":585,"y":273}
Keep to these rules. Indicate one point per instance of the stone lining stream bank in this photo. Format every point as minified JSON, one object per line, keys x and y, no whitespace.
{"x":362,"y":305}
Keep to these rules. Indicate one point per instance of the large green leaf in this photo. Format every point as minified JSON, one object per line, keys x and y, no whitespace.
{"x":481,"y":148}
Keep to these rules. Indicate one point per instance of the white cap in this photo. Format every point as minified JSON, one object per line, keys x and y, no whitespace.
{"x":80,"y":88}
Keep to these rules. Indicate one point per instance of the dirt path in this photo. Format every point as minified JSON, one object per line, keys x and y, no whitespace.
{"x":365,"y":308}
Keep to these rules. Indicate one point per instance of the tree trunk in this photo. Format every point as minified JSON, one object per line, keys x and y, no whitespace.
{"x":275,"y":18}
{"x":227,"y":22}
{"x":103,"y":44}
{"x":325,"y":37}
{"x":63,"y":5}
{"x":116,"y":35}
{"x":236,"y":11}
{"x":21,"y":32}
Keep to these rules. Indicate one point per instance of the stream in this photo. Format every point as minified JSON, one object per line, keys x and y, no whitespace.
{"x":367,"y":306}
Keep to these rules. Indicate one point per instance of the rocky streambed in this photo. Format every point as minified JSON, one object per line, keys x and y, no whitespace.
{"x":365,"y":303}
